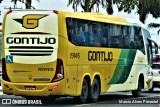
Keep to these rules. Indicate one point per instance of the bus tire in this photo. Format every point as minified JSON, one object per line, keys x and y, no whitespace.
{"x":84,"y":93}
{"x":137,"y":93}
{"x":94,"y":91}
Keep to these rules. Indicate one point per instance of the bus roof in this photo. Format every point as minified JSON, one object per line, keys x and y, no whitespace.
{"x":94,"y":17}
{"x":104,"y":18}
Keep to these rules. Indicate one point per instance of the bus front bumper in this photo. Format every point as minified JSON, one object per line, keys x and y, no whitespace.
{"x":33,"y":89}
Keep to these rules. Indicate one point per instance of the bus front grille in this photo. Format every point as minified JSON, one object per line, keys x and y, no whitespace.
{"x":31,"y":50}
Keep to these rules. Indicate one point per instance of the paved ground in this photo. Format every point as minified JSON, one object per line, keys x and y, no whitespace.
{"x":118,"y":99}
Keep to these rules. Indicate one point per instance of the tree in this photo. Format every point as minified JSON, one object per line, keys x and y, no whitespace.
{"x":26,"y":2}
{"x":155,"y":25}
{"x":144,"y":7}
{"x":89,"y":5}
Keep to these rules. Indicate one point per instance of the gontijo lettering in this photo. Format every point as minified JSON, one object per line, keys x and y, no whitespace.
{"x":100,"y":56}
{"x":30,"y":40}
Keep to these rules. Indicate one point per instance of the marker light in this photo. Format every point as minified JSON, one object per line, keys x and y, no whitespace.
{"x":9,"y":11}
{"x":55,"y":11}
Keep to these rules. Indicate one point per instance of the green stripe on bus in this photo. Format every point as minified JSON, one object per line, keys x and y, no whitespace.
{"x":120,"y":66}
{"x":123,"y":67}
{"x":128,"y":67}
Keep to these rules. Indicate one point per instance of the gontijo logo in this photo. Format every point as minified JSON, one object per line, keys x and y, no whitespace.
{"x":31,"y":21}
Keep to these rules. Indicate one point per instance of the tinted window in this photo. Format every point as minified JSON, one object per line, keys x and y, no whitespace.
{"x":98,"y":34}
{"x":86,"y":33}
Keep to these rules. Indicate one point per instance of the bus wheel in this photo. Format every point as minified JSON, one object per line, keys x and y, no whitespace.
{"x":137,"y":93}
{"x":94,"y":91}
{"x":84,"y":93}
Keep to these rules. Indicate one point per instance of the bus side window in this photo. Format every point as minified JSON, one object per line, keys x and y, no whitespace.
{"x":139,"y":44}
{"x":132,"y":45}
{"x":116,"y":43}
{"x":72,"y":37}
{"x":82,"y":37}
{"x":117,"y":36}
{"x":71,"y":31}
{"x":126,"y":42}
{"x":104,"y":33}
{"x":104,"y":41}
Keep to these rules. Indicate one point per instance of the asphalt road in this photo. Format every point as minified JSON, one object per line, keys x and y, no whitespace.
{"x":118,"y":99}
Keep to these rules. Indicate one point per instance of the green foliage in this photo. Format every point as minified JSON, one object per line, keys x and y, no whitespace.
{"x":155,"y":8}
{"x":1,"y":1}
{"x":91,"y":5}
{"x":143,"y":7}
{"x":26,"y":2}
{"x":125,"y":5}
{"x":155,"y":25}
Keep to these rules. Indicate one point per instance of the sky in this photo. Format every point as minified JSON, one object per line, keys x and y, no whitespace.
{"x":62,"y":5}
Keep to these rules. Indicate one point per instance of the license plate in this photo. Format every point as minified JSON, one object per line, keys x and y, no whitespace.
{"x":30,"y":87}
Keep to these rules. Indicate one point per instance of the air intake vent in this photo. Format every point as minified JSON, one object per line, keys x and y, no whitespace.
{"x":30,"y":50}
